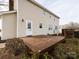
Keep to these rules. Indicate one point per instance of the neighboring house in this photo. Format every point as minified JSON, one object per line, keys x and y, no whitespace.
{"x":70,"y":30}
{"x":27,"y":17}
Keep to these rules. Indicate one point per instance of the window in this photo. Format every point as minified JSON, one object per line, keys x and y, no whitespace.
{"x":54,"y":31}
{"x":50,"y":16}
{"x":42,"y":13}
{"x":29,"y":25}
{"x":40,"y":26}
{"x":50,"y":27}
{"x":54,"y":18}
{"x":56,"y":27}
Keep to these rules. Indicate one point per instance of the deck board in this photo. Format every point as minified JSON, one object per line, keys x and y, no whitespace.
{"x":2,"y":45}
{"x":41,"y":43}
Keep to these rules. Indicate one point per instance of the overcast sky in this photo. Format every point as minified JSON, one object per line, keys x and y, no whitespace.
{"x":68,"y":10}
{"x":4,"y":0}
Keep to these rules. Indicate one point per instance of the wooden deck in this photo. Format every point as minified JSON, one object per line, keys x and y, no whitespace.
{"x":2,"y":45}
{"x":38,"y":44}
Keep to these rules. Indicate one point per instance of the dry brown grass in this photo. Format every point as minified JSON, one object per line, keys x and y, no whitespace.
{"x":69,"y":49}
{"x":15,"y":49}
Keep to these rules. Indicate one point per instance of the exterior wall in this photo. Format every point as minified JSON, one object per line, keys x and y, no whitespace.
{"x":15,"y":4}
{"x":29,"y":11}
{"x":0,"y":26}
{"x":56,"y":24}
{"x":8,"y":26}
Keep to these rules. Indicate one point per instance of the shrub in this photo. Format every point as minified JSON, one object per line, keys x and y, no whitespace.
{"x":16,"y":46}
{"x":47,"y":56}
{"x":67,"y":50}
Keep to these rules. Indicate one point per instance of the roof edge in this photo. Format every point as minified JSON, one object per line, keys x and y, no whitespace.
{"x":7,"y":12}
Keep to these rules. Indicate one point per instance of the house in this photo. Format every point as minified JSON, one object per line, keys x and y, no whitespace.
{"x":71,"y":30}
{"x":27,"y":18}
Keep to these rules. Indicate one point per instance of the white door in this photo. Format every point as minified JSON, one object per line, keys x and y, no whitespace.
{"x":28,"y":27}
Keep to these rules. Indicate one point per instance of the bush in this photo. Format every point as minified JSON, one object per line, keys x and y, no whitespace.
{"x":35,"y":56}
{"x":16,"y":46}
{"x":67,"y":50}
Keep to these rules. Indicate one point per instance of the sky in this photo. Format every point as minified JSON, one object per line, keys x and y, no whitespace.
{"x":67,"y":10}
{"x":4,"y":0}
